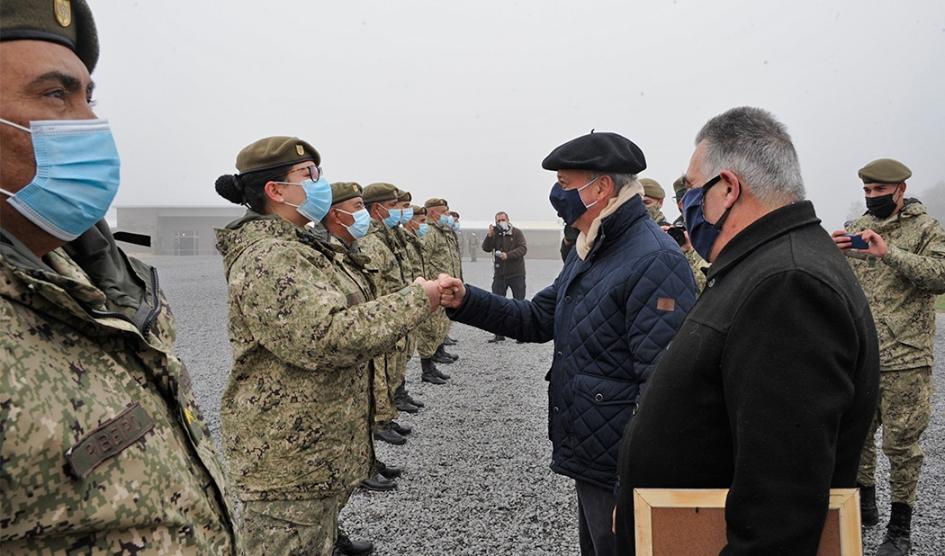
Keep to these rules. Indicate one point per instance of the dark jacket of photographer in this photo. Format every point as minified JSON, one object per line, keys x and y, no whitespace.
{"x":512,"y":243}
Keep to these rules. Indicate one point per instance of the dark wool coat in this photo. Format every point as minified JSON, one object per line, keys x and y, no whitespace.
{"x":768,"y":389}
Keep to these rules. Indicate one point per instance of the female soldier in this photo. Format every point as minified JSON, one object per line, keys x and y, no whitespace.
{"x":295,"y":411}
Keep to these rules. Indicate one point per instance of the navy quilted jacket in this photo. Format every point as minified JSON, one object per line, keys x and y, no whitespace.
{"x":610,"y":317}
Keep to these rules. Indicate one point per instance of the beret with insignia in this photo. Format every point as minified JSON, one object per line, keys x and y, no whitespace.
{"x":379,"y":193}
{"x":64,"y":22}
{"x":885,"y":170}
{"x":652,"y":188}
{"x":345,"y":191}
{"x":435,"y":202}
{"x":598,"y":152}
{"x":274,"y":152}
{"x":404,"y":196}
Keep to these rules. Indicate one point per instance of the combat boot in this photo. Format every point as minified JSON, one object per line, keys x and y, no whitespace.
{"x":497,"y":338}
{"x":869,"y":514}
{"x":384,"y":433}
{"x":405,"y":406}
{"x":429,"y":372}
{"x":449,"y":341}
{"x":413,"y":400}
{"x":387,"y":471}
{"x":344,"y":545}
{"x":378,"y":483}
{"x":402,"y":430}
{"x":442,"y":351}
{"x":402,"y":394}
{"x":898,"y":541}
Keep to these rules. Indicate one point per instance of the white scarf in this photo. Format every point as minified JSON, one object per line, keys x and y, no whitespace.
{"x":586,"y":241}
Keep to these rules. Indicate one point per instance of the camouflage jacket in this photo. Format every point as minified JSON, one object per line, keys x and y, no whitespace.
{"x":294,"y":414}
{"x":414,"y":247}
{"x":442,"y":251}
{"x":901,"y":287}
{"x":102,"y":446}
{"x":697,"y":264}
{"x":388,"y":257}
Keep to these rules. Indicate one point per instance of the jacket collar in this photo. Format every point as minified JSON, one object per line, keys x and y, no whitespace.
{"x":764,"y":230}
{"x":616,"y":224}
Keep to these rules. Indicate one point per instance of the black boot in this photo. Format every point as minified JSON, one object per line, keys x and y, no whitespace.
{"x":402,"y":430}
{"x":344,"y":545}
{"x":384,"y":433}
{"x":496,"y":339}
{"x":378,"y":483}
{"x":898,"y":539}
{"x":429,"y":372}
{"x":449,"y":341}
{"x":405,"y":406}
{"x":443,"y":353}
{"x":388,"y":471}
{"x":413,"y":400}
{"x":869,"y":514}
{"x":402,"y":398}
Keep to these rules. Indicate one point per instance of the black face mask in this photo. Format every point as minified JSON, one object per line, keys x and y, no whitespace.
{"x":881,"y":207}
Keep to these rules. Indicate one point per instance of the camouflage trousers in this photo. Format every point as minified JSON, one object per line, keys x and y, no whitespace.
{"x":292,"y":527}
{"x":431,"y":333}
{"x":381,"y":394}
{"x":905,"y":402}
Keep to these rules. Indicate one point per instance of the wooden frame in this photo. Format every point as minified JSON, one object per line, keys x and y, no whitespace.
{"x":708,"y":537}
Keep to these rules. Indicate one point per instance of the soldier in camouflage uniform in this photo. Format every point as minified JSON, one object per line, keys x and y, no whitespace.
{"x":901,"y":268}
{"x":697,"y":264}
{"x":295,"y":412}
{"x":442,"y":253}
{"x":102,"y":446}
{"x":653,"y":196}
{"x":412,"y":248}
{"x":384,"y":246}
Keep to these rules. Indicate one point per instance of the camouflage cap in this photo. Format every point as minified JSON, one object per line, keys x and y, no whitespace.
{"x":345,"y":191}
{"x":680,"y":186}
{"x":64,"y":22}
{"x":418,"y":211}
{"x":274,"y":152}
{"x":652,"y":188}
{"x":885,"y":170}
{"x":436,"y":202}
{"x":404,"y":196}
{"x":380,"y":192}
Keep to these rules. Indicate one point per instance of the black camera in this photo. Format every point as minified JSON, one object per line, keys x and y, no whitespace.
{"x":678,"y":233}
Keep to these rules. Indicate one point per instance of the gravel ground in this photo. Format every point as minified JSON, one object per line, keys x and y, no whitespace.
{"x":477,"y":478}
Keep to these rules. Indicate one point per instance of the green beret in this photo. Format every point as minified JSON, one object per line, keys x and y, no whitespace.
{"x":275,"y":152}
{"x":885,"y":170}
{"x":58,"y":21}
{"x":652,"y":188}
{"x":345,"y":191}
{"x":418,"y":210}
{"x":435,"y":202}
{"x":680,"y":186}
{"x":404,"y":196}
{"x":379,"y":193}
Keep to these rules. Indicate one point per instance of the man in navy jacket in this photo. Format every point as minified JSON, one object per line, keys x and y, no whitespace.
{"x":618,"y":301}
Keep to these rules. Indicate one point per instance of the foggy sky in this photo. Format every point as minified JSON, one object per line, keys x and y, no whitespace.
{"x":463,"y":99}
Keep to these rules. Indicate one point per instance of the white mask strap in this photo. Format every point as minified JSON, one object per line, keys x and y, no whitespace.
{"x":18,"y":126}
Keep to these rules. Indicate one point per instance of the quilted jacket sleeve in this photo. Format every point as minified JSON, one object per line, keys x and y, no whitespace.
{"x":526,"y":320}
{"x":657,"y":305}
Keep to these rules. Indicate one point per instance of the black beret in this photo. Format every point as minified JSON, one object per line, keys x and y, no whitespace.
{"x":599,"y":152}
{"x":64,"y":22}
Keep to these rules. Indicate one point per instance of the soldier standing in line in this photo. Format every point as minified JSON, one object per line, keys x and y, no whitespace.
{"x":901,"y":267}
{"x":653,"y":196}
{"x":696,"y":263}
{"x":102,"y":446}
{"x":385,"y":248}
{"x":411,"y":248}
{"x":295,"y":413}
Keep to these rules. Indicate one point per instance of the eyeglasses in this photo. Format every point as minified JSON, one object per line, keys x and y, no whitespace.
{"x":313,"y":171}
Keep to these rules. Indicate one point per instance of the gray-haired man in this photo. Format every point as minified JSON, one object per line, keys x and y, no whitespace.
{"x":769,"y":386}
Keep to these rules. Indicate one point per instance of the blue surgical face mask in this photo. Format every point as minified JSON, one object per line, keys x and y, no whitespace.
{"x":702,"y":233}
{"x":568,"y":202}
{"x":317,"y":199}
{"x":394,"y":215}
{"x":455,"y":225}
{"x":446,"y":220}
{"x":423,"y":229}
{"x":362,"y":222}
{"x":407,"y":215}
{"x":77,"y":176}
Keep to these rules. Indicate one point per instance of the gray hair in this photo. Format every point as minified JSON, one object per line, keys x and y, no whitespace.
{"x":755,"y":146}
{"x":620,"y":180}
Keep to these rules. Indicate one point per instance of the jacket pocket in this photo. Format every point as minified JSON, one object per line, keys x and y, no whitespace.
{"x":599,"y":414}
{"x":904,"y":331}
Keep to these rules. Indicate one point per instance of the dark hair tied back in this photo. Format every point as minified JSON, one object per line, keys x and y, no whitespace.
{"x":229,"y":188}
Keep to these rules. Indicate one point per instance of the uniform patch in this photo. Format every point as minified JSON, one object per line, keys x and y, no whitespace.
{"x":107,"y":441}
{"x":667,"y":304}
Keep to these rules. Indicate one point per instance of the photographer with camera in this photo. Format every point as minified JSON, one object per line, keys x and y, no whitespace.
{"x":508,"y":248}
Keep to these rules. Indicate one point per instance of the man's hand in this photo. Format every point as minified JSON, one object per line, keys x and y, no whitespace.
{"x":502,"y":255}
{"x":686,"y":247}
{"x":877,"y":245}
{"x":491,"y":231}
{"x":452,"y":291}
{"x":432,"y":289}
